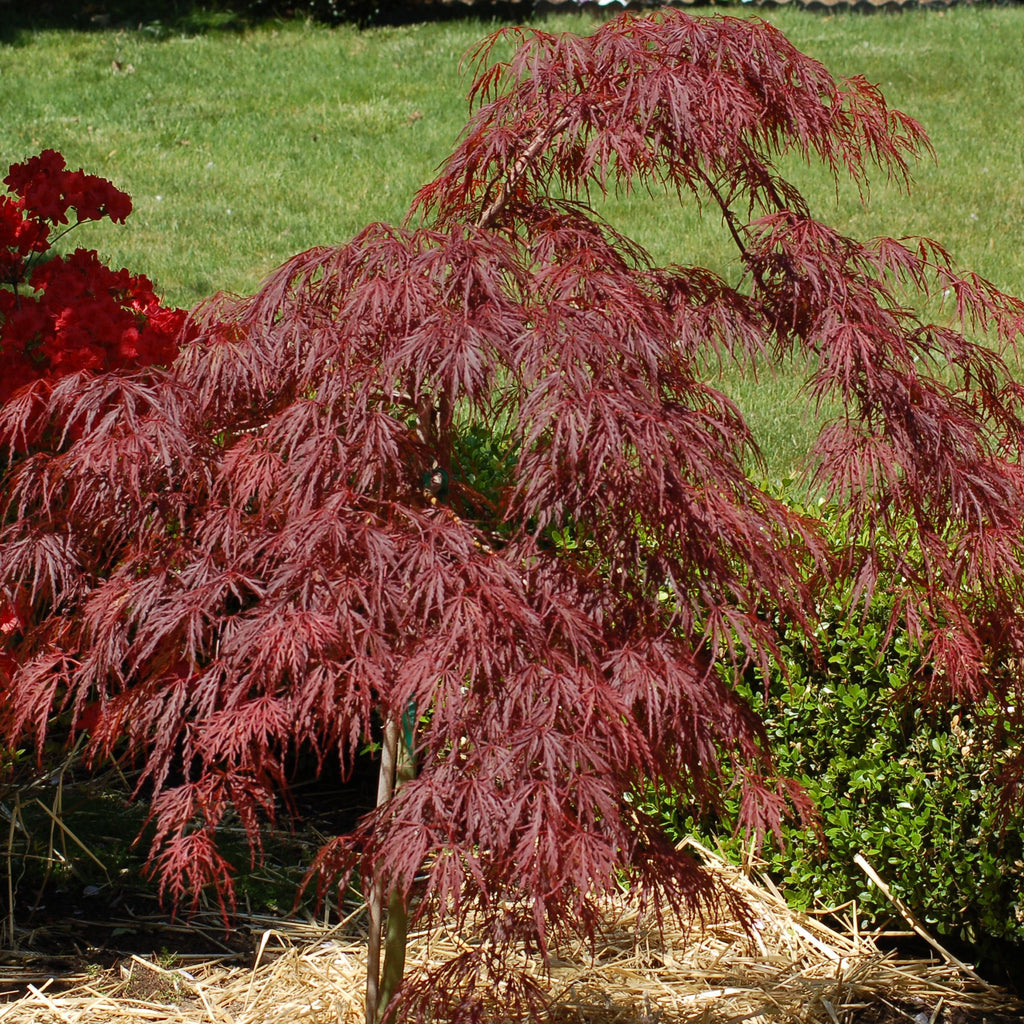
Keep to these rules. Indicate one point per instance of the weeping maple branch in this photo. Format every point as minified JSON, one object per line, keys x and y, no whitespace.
{"x":540,"y":143}
{"x":730,"y":219}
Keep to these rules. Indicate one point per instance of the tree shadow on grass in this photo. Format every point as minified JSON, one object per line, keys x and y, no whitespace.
{"x":170,"y":16}
{"x":161,"y":16}
{"x":167,"y":18}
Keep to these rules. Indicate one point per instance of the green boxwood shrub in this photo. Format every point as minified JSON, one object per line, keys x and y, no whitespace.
{"x":912,"y":789}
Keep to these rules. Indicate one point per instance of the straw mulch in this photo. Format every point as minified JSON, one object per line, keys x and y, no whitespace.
{"x":789,"y":967}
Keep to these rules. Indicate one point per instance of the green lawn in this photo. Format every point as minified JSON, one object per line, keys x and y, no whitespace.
{"x":241,"y":148}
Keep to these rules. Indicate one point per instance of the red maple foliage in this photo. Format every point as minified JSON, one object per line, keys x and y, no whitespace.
{"x":279,"y":544}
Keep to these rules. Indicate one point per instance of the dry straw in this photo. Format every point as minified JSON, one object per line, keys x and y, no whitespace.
{"x":787,"y":967}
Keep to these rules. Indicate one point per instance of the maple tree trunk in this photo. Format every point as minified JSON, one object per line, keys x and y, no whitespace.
{"x":396,"y":766}
{"x":397,"y":926}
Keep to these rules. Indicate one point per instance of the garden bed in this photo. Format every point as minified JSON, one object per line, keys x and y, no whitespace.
{"x":787,"y":967}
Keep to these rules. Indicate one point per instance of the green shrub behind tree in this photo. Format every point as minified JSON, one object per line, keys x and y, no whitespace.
{"x":914,"y":789}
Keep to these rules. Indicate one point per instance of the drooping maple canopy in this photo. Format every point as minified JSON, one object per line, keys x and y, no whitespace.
{"x":283,"y":540}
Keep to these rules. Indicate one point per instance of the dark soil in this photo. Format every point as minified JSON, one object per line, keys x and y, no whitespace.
{"x":883,"y":1011}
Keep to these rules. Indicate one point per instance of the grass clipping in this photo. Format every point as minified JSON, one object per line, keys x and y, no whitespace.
{"x":789,"y":967}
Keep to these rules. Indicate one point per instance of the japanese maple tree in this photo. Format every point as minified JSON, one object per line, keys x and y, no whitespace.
{"x":287,"y":542}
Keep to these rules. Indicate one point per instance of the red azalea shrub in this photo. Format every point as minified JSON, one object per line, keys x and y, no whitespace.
{"x":63,"y":318}
{"x":70,"y":313}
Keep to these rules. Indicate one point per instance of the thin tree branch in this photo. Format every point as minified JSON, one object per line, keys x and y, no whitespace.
{"x":730,"y":220}
{"x":540,"y":142}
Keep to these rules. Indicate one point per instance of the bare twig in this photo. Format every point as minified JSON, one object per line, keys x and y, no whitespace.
{"x":914,"y":923}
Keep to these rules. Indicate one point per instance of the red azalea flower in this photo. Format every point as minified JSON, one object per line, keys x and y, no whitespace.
{"x":40,"y":182}
{"x":94,"y":197}
{"x":83,"y":315}
{"x":21,"y":176}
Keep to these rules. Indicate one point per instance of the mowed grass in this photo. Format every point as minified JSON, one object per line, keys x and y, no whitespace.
{"x":238,"y":149}
{"x":241,"y":148}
